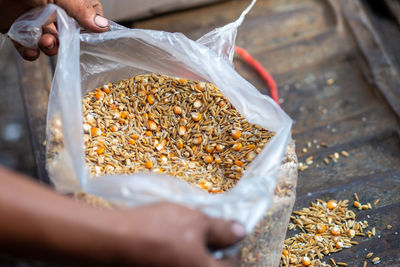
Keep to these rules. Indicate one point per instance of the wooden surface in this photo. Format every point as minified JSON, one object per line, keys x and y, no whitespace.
{"x":139,"y":9}
{"x":304,"y":44}
{"x":35,"y":80}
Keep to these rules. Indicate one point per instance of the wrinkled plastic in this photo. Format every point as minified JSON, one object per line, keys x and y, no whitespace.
{"x":89,"y":60}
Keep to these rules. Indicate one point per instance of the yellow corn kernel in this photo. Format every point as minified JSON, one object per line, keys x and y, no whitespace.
{"x":197,"y":140}
{"x":154,"y":90}
{"x":113,"y":128}
{"x":148,"y":164}
{"x":142,"y":92}
{"x":161,"y":145}
{"x":150,"y":99}
{"x":351,"y":233}
{"x":236,"y":134}
{"x":182,"y":130}
{"x":158,"y":170}
{"x":208,"y":159}
{"x":179,"y":144}
{"x":177,"y":110}
{"x":200,"y":86}
{"x":196,"y":116}
{"x":183,"y":121}
{"x":321,"y":228}
{"x":306,"y":261}
{"x":100,"y":150}
{"x":237,"y":146}
{"x":152,"y":125}
{"x":239,"y":163}
{"x":209,"y":149}
{"x":335,"y":231}
{"x":331,"y":204}
{"x":163,"y":159}
{"x":132,"y":141}
{"x":95,"y":131}
{"x":124,"y":114}
{"x":219,"y":148}
{"x":250,"y":156}
{"x":183,"y":81}
{"x":99,"y":95}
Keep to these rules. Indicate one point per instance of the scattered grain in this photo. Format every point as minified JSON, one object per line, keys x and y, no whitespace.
{"x":330,"y":81}
{"x":344,"y":153}
{"x":376,"y":260}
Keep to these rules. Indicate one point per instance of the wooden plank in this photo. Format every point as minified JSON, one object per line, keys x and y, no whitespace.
{"x":382,"y":71}
{"x":127,"y":10}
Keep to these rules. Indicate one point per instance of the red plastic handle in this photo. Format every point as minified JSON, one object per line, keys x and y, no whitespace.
{"x":261,"y":71}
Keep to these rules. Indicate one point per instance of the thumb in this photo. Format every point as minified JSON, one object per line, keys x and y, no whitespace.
{"x":88,"y":13}
{"x":223,"y":233}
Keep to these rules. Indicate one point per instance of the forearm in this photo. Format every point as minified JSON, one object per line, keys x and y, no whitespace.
{"x":38,"y":223}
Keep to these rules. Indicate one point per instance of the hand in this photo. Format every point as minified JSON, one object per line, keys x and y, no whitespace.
{"x":171,"y":235}
{"x":88,"y":13}
{"x":39,"y":224}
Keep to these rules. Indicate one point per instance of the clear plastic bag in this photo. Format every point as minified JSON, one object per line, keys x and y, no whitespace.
{"x":88,"y":60}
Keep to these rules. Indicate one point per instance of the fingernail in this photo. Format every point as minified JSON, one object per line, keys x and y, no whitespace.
{"x":29,"y":53}
{"x":101,"y":21}
{"x":51,"y":46}
{"x":238,"y":229}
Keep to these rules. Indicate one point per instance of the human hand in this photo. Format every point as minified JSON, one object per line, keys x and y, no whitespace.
{"x":167,"y":234}
{"x":42,"y":225}
{"x":88,"y":13}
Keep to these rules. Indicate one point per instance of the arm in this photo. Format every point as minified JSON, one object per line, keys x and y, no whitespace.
{"x":40,"y":224}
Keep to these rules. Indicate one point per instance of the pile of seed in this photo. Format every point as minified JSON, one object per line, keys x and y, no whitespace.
{"x":162,"y":124}
{"x":326,"y":227}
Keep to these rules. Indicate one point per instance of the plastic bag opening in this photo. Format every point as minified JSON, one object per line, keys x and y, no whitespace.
{"x":88,"y":60}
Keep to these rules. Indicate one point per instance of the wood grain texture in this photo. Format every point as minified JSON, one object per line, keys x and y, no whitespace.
{"x":303,"y":44}
{"x":138,"y":9}
{"x":35,"y":88}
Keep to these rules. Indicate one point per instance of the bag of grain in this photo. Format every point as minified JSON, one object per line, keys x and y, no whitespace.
{"x":89,"y":61}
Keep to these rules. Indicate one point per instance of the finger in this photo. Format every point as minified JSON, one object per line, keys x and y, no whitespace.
{"x":27,"y":53}
{"x":228,"y":261}
{"x":98,"y":7}
{"x":48,"y":42}
{"x":223,"y":233}
{"x":88,"y":13}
